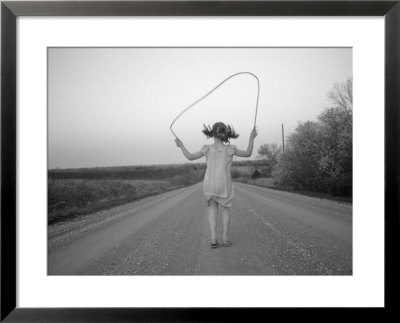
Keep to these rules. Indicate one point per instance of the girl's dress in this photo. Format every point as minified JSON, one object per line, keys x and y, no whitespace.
{"x":217,"y":183}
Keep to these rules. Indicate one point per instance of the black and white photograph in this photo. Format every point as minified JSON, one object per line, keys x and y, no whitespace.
{"x":200,"y":161}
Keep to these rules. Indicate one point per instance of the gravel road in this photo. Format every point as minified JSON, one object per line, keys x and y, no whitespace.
{"x":273,"y":233}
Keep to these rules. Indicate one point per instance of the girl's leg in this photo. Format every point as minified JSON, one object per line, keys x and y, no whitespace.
{"x":212,"y":219}
{"x":225,"y":223}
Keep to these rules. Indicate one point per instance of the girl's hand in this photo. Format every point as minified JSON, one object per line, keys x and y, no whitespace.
{"x":178,"y":143}
{"x":253,"y":133}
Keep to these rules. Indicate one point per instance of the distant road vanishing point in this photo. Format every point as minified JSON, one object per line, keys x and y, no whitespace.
{"x":273,"y":233}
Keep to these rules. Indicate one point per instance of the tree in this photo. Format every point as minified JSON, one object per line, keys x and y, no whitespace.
{"x":336,"y":161}
{"x":342,"y":94}
{"x":319,"y":154}
{"x":303,"y":152}
{"x":270,"y":153}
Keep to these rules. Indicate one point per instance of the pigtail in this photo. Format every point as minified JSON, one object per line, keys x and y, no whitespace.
{"x":231,"y":133}
{"x":207,"y":130}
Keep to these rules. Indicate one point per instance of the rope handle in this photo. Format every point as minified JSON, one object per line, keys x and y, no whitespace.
{"x":212,"y":90}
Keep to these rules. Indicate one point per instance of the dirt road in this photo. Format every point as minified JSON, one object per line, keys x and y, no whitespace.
{"x":273,"y":233}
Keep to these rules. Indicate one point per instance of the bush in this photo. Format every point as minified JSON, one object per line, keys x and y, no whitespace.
{"x":255,"y":174}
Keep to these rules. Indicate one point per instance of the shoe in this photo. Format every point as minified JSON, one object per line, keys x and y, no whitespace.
{"x":227,"y":243}
{"x":214,"y":244}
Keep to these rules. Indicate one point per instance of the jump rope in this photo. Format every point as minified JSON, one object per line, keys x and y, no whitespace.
{"x":212,"y":90}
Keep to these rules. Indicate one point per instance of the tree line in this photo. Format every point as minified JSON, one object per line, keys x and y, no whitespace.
{"x":318,"y":154}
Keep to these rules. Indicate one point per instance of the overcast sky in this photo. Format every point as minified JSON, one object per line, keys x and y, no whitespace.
{"x":114,"y":106}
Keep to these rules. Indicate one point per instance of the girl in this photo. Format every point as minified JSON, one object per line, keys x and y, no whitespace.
{"x":217,"y":185}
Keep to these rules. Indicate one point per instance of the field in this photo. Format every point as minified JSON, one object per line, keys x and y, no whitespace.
{"x":76,"y":192}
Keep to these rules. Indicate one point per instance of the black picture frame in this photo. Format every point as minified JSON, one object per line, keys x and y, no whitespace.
{"x":10,"y":10}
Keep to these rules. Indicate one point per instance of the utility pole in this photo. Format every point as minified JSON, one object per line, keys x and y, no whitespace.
{"x":283,"y":139}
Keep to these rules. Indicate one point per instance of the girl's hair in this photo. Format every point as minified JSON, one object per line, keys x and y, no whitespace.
{"x":221,"y":131}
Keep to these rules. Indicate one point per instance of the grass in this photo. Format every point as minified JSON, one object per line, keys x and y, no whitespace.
{"x":71,"y":198}
{"x":269,"y":183}
{"x":76,"y":192}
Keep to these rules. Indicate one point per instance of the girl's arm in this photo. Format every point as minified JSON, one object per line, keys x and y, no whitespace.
{"x":187,"y":154}
{"x":248,"y":152}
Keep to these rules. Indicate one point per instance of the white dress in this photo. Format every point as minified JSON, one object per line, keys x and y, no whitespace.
{"x":217,"y":183}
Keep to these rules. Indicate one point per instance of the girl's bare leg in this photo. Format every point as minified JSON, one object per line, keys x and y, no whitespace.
{"x":212,"y":219}
{"x":225,"y":223}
